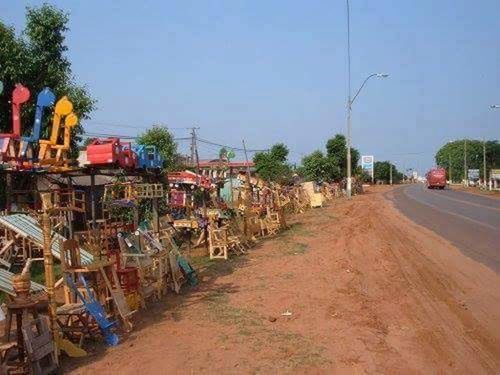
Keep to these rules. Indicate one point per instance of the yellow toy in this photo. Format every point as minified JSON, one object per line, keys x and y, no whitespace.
{"x":63,"y":110}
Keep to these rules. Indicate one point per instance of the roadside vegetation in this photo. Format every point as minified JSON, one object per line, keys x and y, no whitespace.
{"x":451,"y":156}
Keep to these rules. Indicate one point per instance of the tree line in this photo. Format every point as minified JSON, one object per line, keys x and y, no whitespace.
{"x":453,"y":156}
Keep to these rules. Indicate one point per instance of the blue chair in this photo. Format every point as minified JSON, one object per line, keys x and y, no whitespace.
{"x":96,"y":310}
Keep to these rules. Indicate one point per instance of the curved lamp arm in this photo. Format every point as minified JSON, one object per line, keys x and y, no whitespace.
{"x":380,"y":75}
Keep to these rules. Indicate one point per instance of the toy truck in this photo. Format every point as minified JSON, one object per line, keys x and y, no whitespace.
{"x":148,"y":157}
{"x":111,"y":152}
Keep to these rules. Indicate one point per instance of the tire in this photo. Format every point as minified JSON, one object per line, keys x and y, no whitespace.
{"x":441,"y":188}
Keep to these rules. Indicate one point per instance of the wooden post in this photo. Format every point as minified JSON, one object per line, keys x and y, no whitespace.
{"x":69,"y":213}
{"x":156,"y":218}
{"x":231,"y":185}
{"x":8,"y":192}
{"x":48,"y":262}
{"x":92,"y":199}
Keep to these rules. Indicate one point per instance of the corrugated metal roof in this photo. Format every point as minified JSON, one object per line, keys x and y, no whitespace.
{"x":28,"y":228}
{"x":6,"y":283}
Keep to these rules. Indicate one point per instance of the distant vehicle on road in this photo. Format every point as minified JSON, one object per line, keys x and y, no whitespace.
{"x":436,"y":178}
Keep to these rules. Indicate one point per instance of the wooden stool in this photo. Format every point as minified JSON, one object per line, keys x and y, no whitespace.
{"x":20,"y":309}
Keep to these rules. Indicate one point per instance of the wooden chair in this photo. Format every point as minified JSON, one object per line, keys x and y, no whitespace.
{"x":218,"y":243}
{"x":40,"y":347}
{"x":234,"y":241}
{"x":273,"y":223}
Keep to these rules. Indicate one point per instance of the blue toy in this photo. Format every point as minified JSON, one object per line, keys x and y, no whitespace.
{"x":96,"y":310}
{"x":187,"y":270}
{"x":45,"y":98}
{"x":148,"y":157}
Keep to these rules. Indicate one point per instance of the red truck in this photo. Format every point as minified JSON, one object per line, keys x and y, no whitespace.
{"x":436,"y":178}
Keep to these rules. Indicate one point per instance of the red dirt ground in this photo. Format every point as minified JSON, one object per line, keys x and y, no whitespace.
{"x":368,"y":291}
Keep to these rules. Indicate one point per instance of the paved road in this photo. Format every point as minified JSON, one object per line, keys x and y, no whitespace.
{"x":471,"y":222}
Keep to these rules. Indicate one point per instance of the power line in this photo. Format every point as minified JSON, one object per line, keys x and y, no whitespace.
{"x":230,"y":147}
{"x":108,"y":135}
{"x":131,"y":126}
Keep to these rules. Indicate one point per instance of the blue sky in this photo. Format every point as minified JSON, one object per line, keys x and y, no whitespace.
{"x":275,"y":71}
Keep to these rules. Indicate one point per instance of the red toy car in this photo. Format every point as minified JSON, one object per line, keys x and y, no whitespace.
{"x":112,"y":152}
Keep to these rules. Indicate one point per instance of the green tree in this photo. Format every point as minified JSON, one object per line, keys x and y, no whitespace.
{"x":451,"y":157}
{"x":382,"y":172}
{"x":336,"y":152}
{"x":38,"y":59}
{"x":331,"y":166}
{"x":273,"y":165}
{"x":162,"y":139}
{"x":314,"y":167}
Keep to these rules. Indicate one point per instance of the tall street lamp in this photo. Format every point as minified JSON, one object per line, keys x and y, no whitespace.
{"x":350,"y":101}
{"x":349,"y":125}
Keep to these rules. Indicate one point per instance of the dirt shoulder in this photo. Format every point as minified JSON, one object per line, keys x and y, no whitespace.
{"x":476,"y":190}
{"x":354,"y":287}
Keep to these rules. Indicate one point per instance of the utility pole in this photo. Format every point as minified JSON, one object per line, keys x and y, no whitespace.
{"x":449,"y":169}
{"x":484,"y":163}
{"x":246,"y":159}
{"x":349,"y":102}
{"x":193,"y":146}
{"x":465,"y":162}
{"x":193,"y":142}
{"x":195,"y":160}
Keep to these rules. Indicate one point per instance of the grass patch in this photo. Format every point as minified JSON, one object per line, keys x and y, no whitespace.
{"x":295,"y":248}
{"x":216,"y":267}
{"x":293,"y":350}
{"x":222,"y":312}
{"x":296,"y":229}
{"x":300,"y":248}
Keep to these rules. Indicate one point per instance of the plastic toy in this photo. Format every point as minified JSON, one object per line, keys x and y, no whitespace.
{"x":20,"y":95}
{"x":44,"y":100}
{"x":63,"y":110}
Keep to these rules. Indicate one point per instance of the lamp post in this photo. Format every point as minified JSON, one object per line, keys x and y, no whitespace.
{"x":350,"y":101}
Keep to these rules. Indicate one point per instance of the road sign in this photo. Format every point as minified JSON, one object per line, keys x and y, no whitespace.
{"x":367,"y":164}
{"x":473,"y":174}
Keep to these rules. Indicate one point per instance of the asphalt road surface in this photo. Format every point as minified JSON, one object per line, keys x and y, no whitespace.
{"x":471,"y":222}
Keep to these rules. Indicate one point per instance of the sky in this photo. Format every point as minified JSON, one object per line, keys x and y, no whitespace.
{"x":276,"y":71}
